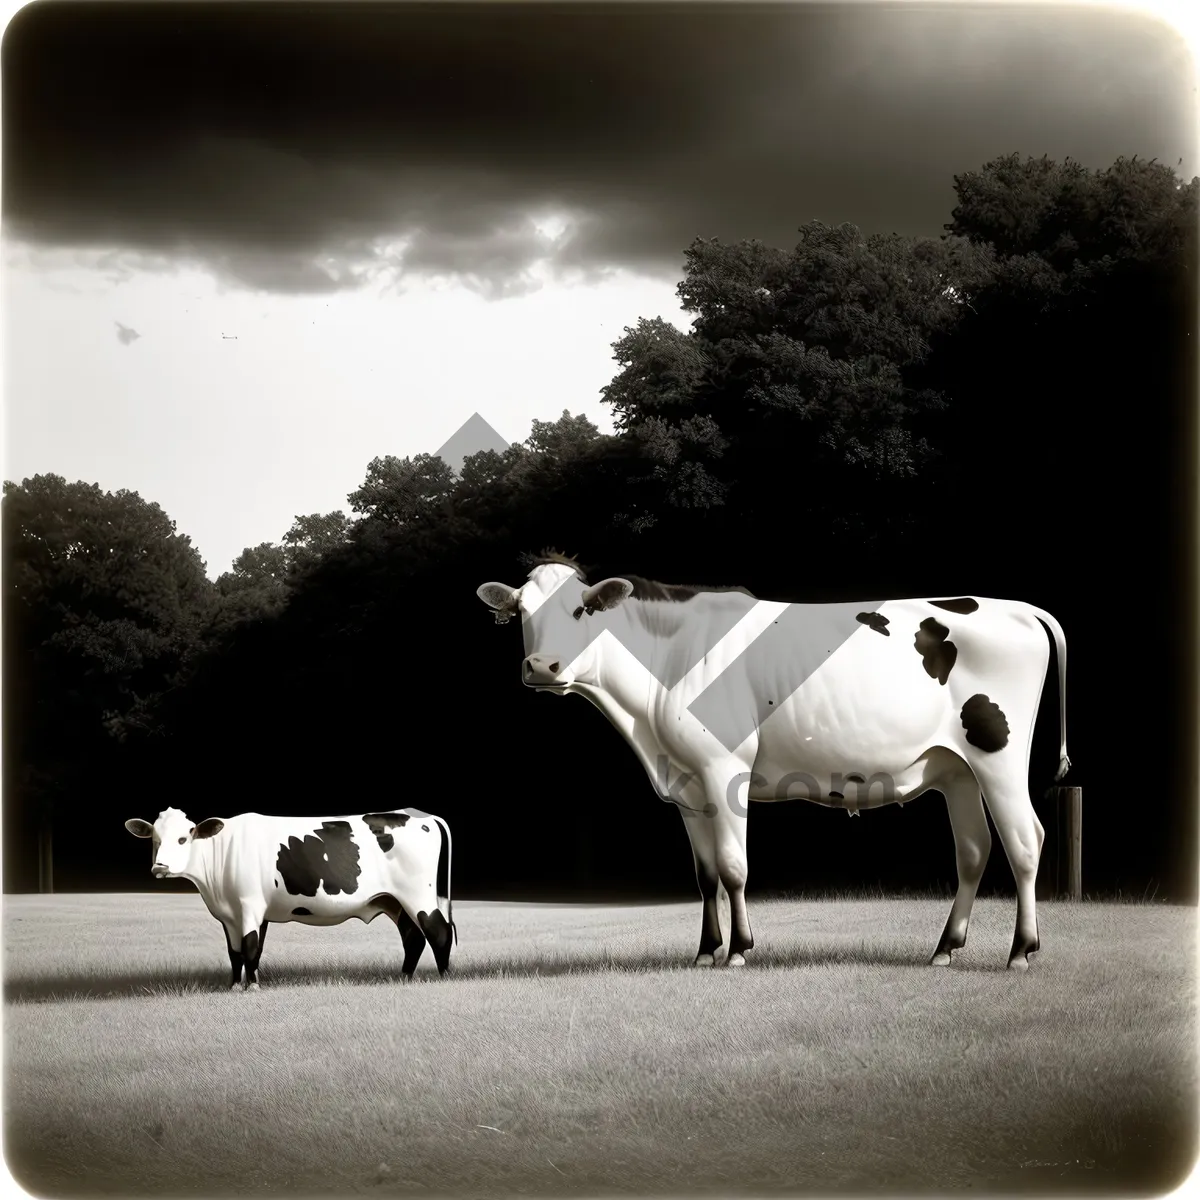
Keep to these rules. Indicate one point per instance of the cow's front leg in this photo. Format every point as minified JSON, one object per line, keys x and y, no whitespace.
{"x":233,"y":943}
{"x":245,"y":937}
{"x":700,"y":831}
{"x":724,"y":799}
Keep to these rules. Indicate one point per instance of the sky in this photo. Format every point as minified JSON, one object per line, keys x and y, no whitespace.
{"x":250,"y":247}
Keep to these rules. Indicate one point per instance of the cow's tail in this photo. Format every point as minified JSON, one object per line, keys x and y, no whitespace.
{"x":1060,"y":646}
{"x":443,"y":879}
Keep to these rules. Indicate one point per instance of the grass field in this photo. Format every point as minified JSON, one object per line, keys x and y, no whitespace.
{"x":573,"y":1052}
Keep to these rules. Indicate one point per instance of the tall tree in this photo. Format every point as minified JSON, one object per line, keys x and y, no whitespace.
{"x":794,"y":390}
{"x":255,"y":587}
{"x":401,"y":491}
{"x":104,"y":605}
{"x":1077,"y":354}
{"x":313,"y":536}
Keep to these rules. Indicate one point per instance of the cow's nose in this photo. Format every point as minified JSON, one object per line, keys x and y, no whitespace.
{"x":541,"y":670}
{"x":158,"y":869}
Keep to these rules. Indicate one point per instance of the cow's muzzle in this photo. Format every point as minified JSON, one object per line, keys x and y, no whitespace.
{"x":159,"y":871}
{"x":544,"y":671}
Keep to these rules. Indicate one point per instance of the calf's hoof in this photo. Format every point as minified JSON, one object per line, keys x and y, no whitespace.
{"x":736,"y":960}
{"x":940,"y":959}
{"x":1020,"y":963}
{"x":703,"y":960}
{"x":252,"y":987}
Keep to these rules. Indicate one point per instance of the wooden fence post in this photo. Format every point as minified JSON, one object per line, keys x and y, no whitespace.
{"x":1068,"y":814}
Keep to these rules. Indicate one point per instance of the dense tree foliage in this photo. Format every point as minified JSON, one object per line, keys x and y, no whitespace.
{"x":1001,"y":410}
{"x":104,"y":606}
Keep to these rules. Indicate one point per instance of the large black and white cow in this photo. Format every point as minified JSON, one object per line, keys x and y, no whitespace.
{"x":724,"y":697}
{"x":251,"y":870}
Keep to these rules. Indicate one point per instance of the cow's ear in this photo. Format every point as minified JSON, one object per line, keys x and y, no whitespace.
{"x":608,"y":593}
{"x":209,"y":828}
{"x":497,"y":595}
{"x":139,"y":828}
{"x":500,"y":598}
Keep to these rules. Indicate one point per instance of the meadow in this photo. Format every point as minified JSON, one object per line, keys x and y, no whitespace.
{"x":574,"y":1052}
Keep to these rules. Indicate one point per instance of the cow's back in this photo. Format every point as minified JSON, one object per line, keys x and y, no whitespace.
{"x":816,"y":687}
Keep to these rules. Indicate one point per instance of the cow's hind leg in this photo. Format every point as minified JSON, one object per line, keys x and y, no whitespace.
{"x":414,"y":943}
{"x":1006,"y":792}
{"x":437,"y":929}
{"x":972,"y":845}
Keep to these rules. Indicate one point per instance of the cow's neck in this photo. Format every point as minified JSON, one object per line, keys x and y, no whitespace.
{"x":200,"y":867}
{"x":619,"y":682}
{"x":622,"y":689}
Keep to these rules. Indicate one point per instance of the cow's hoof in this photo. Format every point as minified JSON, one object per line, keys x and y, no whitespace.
{"x":736,"y":960}
{"x":235,"y":987}
{"x":940,"y":959}
{"x":1020,"y":963}
{"x":703,"y":960}
{"x":252,"y":987}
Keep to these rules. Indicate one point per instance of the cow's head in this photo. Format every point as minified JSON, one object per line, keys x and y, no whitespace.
{"x":173,"y":835}
{"x":559,"y":611}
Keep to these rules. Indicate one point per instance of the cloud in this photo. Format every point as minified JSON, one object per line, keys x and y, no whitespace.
{"x":321,"y":150}
{"x":125,"y":335}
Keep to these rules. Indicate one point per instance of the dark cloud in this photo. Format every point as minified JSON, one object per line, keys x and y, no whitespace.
{"x":329,"y":146}
{"x":125,"y":335}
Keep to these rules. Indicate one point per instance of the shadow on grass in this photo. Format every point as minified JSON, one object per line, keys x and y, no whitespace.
{"x":61,"y":988}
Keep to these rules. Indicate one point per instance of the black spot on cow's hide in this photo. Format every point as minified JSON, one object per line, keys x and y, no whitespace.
{"x":964,"y":605}
{"x":301,"y":912}
{"x":876,"y":621}
{"x":937,"y":655}
{"x":327,"y":857}
{"x":380,"y":823}
{"x":986,"y":725}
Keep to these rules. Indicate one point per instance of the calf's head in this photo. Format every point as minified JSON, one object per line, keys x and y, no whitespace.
{"x":173,"y":835}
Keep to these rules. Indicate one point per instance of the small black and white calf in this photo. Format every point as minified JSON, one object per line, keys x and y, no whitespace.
{"x":252,"y":869}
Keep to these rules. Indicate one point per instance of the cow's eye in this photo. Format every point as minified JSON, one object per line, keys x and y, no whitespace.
{"x":182,"y":840}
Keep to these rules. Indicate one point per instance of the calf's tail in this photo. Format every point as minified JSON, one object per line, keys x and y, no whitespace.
{"x":443,"y":879}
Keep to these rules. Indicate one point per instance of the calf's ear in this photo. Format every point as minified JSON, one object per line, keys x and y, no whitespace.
{"x":139,"y":828}
{"x":209,"y":828}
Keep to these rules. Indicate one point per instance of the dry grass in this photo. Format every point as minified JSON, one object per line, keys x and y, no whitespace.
{"x":575,"y":1053}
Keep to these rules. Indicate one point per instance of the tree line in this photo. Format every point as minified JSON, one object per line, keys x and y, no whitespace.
{"x":1002,"y":409}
